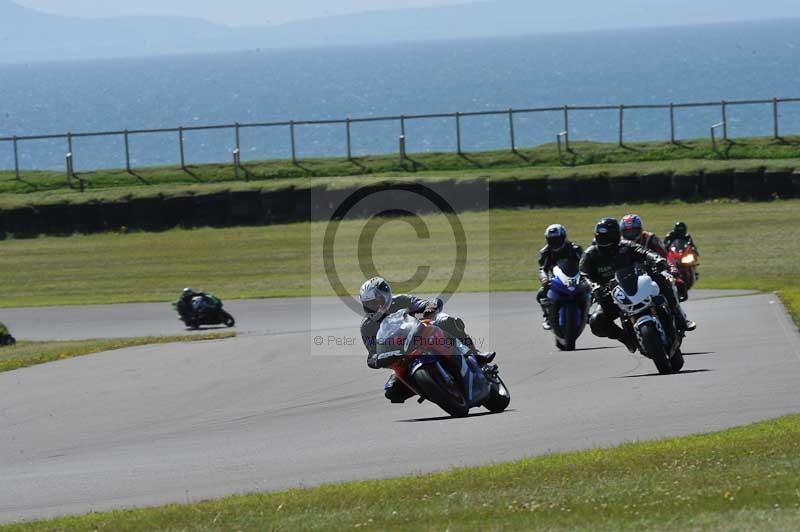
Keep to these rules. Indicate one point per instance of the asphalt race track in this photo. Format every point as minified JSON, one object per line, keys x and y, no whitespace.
{"x":270,"y":410}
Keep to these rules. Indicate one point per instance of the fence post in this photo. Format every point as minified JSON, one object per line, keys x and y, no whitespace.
{"x":775,"y":118}
{"x":458,"y":133}
{"x":69,"y":160}
{"x":725,"y":120}
{"x":621,"y":125}
{"x":237,"y":128}
{"x":402,"y":150}
{"x":511,"y":130}
{"x":672,"y":122}
{"x":236,"y":164}
{"x":127,"y":152}
{"x":180,"y":144}
{"x":566,"y":126}
{"x":403,"y":125}
{"x":16,"y":158}
{"x":294,"y":148}
{"x":349,"y":142}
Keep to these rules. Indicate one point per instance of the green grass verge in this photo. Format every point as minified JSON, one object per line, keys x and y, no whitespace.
{"x":587,"y":159}
{"x":743,"y":245}
{"x":741,"y":479}
{"x":26,"y":353}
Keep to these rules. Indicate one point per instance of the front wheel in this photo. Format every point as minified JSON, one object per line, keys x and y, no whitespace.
{"x":677,"y":361}
{"x":654,"y":348}
{"x":449,"y":399}
{"x":571,"y":327}
{"x":227,"y":319}
{"x":499,"y":398}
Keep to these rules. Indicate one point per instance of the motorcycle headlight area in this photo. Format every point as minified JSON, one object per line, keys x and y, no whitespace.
{"x":688,"y":259}
{"x":624,"y":302}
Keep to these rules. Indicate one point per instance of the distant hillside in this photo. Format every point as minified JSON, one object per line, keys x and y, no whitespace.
{"x":28,"y":35}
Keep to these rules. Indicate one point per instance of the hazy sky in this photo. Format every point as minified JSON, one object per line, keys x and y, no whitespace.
{"x":227,"y":11}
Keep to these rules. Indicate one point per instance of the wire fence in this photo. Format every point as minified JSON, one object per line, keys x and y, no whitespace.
{"x":234,"y":145}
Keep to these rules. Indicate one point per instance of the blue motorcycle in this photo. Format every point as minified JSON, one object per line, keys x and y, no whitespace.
{"x":568,"y":302}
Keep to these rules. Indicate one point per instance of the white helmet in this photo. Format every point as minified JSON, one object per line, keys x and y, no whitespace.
{"x":376,"y":297}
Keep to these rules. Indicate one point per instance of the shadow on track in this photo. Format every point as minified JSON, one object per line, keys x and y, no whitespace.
{"x":699,"y":353}
{"x":448,"y":418}
{"x":684,"y":372}
{"x":593,"y":348}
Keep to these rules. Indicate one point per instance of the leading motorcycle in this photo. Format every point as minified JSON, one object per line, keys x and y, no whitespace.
{"x":645,"y":312}
{"x":568,"y":301}
{"x":438,"y":367}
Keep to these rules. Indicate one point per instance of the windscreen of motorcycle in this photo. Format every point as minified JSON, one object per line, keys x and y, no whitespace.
{"x":628,"y":280}
{"x":568,"y":267}
{"x":678,"y":245}
{"x":395,"y":330}
{"x":566,"y":273}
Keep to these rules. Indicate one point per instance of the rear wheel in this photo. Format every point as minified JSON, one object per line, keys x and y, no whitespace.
{"x":434,"y":389}
{"x":654,"y":348}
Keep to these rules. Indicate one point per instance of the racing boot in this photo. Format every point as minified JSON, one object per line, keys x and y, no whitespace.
{"x":546,"y":324}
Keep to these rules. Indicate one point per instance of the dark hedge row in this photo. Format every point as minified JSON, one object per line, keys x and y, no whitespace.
{"x":256,"y":207}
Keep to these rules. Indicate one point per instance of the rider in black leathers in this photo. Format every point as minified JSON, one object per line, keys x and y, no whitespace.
{"x":376,"y":297}
{"x":184,"y":304}
{"x":557,"y":248}
{"x":599,"y":264}
{"x":680,"y":232}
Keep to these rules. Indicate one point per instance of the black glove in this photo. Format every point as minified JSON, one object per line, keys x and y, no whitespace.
{"x":384,"y":360}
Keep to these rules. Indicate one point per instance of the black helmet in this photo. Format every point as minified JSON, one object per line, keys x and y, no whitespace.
{"x":680,"y":229}
{"x":607,"y":233}
{"x":556,"y":236}
{"x":188,"y":293}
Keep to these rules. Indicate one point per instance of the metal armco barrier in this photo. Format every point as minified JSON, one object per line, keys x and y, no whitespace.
{"x":623,"y":110}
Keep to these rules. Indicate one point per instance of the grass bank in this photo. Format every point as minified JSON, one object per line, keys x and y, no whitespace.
{"x":26,"y":353}
{"x":742,"y":245}
{"x":742,"y":479}
{"x":586,"y":159}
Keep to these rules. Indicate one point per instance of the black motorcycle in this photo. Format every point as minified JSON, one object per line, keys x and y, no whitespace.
{"x":205,"y":310}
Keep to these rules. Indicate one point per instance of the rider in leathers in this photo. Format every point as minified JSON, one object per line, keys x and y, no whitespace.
{"x":611,"y":254}
{"x":376,"y":298}
{"x":557,"y":248}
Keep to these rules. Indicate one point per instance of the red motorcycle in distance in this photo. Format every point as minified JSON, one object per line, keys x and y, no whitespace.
{"x":683,"y":256}
{"x":438,"y":367}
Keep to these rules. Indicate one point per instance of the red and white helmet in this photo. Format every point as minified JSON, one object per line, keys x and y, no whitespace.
{"x":632,"y":227}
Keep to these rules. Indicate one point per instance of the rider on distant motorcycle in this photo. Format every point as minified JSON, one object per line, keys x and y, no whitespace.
{"x":600,"y":263}
{"x":557,"y":248}
{"x":632,"y":228}
{"x":376,"y":298}
{"x":680,"y":232}
{"x":186,"y":305}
